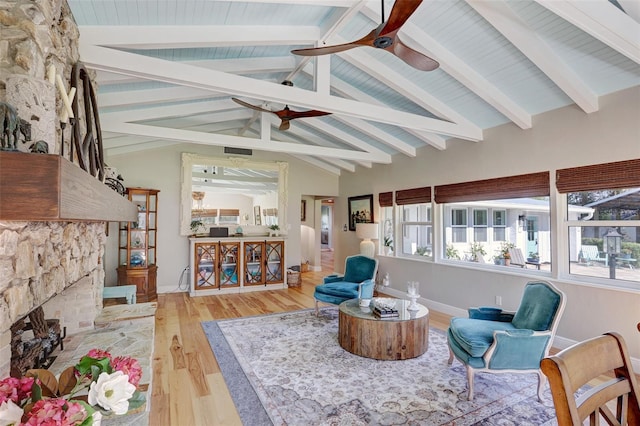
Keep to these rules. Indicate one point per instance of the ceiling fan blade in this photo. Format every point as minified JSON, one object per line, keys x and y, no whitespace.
{"x":248,"y":105}
{"x":402,"y":10}
{"x":290,"y":115}
{"x":412,"y":57}
{"x":325,"y":50}
{"x":284,"y":125}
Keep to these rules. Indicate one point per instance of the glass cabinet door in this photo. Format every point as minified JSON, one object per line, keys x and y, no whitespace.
{"x":205,"y":270}
{"x":253,"y":256}
{"x":229,"y":264}
{"x":274,"y":255}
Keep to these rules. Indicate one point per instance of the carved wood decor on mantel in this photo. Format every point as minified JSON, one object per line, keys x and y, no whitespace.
{"x":48,"y":187}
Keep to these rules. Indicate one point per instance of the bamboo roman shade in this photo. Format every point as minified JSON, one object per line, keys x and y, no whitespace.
{"x":529,"y":185}
{"x":414,"y":196}
{"x":206,"y":212}
{"x":229,"y":212}
{"x":621,"y":174}
{"x":385,"y":199}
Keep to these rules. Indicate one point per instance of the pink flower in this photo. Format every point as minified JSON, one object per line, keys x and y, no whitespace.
{"x":56,"y":412}
{"x":129,"y":366}
{"x":16,"y":390}
{"x":99,"y":354}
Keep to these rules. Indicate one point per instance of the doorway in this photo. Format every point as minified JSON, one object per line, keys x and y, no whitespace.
{"x":326,"y":222}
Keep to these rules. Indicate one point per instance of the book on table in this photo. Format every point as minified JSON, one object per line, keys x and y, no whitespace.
{"x":385,"y":312}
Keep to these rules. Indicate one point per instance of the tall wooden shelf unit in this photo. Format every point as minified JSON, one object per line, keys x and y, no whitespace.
{"x":137,"y":245}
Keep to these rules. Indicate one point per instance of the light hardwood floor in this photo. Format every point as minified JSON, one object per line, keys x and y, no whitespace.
{"x":188,"y":387}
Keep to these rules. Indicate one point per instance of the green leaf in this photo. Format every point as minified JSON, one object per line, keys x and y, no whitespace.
{"x":36,"y":392}
{"x":136,"y":400}
{"x":94,"y":366}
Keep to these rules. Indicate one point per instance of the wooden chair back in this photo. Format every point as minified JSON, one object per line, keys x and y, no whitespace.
{"x":606,"y":359}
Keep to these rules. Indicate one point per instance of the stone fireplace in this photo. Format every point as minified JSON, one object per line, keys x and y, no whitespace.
{"x":54,"y":264}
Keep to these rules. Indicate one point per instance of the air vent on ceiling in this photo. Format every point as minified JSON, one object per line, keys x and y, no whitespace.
{"x":238,"y":151}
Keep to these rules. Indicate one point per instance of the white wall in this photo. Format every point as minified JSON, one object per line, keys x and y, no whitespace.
{"x":161,"y":169}
{"x":563,"y":138}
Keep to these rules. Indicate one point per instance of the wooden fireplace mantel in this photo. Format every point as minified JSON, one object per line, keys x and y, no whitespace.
{"x":48,"y":187}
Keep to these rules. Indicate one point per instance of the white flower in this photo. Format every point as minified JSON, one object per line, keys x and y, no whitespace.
{"x":97,"y":418}
{"x":10,"y":414}
{"x":112,"y":392}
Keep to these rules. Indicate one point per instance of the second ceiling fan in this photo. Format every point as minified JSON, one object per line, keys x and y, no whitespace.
{"x":285,"y":114}
{"x":385,"y":37}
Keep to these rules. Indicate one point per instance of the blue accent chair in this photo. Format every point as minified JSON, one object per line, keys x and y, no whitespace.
{"x":496,"y":341}
{"x":357,"y":282}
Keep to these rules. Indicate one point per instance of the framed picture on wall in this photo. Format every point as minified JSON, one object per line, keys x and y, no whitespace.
{"x":360,"y":210}
{"x":303,"y":210}
{"x":256,"y":215}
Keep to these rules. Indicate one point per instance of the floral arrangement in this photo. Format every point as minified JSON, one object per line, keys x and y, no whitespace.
{"x":99,"y":385}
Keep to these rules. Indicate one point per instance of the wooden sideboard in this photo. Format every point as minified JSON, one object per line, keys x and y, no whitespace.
{"x":236,"y":264}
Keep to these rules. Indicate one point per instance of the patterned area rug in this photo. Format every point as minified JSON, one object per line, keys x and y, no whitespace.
{"x":292,"y":365}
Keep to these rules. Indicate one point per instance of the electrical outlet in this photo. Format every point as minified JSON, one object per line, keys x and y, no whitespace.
{"x":499,"y":300}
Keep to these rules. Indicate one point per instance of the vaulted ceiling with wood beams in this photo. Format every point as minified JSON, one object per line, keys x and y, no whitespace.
{"x":169,"y":70}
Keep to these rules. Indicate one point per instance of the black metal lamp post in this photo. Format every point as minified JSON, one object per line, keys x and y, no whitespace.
{"x":612,"y":246}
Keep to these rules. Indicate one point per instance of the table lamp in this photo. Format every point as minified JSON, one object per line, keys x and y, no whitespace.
{"x":367,"y":232}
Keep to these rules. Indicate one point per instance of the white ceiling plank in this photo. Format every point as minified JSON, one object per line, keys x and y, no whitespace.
{"x":152,"y":96}
{"x":317,"y":163}
{"x":603,"y":21}
{"x":413,"y":36}
{"x":349,"y":91}
{"x":327,"y":3}
{"x":157,"y":112}
{"x":523,"y":37}
{"x":405,"y":87}
{"x":632,"y":7}
{"x":244,"y":66}
{"x":311,"y":137}
{"x":177,"y":73}
{"x":342,"y":164}
{"x":466,"y":75}
{"x":343,"y":136}
{"x":106,"y":77}
{"x":247,"y":66}
{"x":195,"y":36}
{"x":235,"y":141}
{"x":122,"y":150}
{"x":378,"y":134}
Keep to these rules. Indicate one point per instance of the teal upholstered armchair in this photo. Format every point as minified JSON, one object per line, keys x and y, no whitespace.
{"x":492,"y":340}
{"x":358,"y":281}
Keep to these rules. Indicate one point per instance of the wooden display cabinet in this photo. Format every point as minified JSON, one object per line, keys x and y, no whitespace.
{"x":137,"y":245}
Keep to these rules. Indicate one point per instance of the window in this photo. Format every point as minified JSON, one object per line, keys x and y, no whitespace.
{"x":607,"y":215}
{"x":416,"y":229}
{"x":385,"y":199}
{"x":480,"y":225}
{"x":229,"y":217}
{"x":603,"y":206}
{"x":504,"y":200}
{"x":499,"y":225}
{"x":459,"y":225}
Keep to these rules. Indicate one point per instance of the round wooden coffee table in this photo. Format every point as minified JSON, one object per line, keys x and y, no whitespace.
{"x":362,"y":333}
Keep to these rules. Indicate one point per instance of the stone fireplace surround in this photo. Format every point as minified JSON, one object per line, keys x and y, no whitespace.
{"x":57,"y":264}
{"x":54,"y":264}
